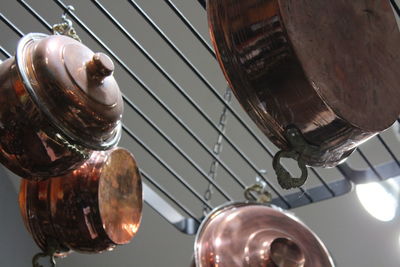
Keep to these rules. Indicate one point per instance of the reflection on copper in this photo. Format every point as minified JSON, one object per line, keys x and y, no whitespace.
{"x":51,"y":114}
{"x":92,"y":209}
{"x":291,"y":63}
{"x":257,"y":236}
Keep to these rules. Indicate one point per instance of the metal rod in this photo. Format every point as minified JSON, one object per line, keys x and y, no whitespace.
{"x":137,"y":139}
{"x":166,"y":166}
{"x":202,"y":3}
{"x":179,"y":88}
{"x":152,"y":124}
{"x":185,"y":21}
{"x":388,"y":149}
{"x":143,"y":85}
{"x":168,"y":195}
{"x":206,"y":82}
{"x":395,"y":6}
{"x":369,"y":164}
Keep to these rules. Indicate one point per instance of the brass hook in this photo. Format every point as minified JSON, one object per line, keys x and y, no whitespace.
{"x":36,"y":257}
{"x":259,"y":188}
{"x":298,"y":146}
{"x":66,"y":27}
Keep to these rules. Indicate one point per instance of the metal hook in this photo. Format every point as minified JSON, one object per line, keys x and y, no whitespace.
{"x":298,"y":147}
{"x":65,"y":27}
{"x":259,"y":188}
{"x":36,"y":257}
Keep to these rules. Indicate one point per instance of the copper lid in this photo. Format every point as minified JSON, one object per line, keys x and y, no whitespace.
{"x":120,"y":196}
{"x":243,"y":234}
{"x":74,"y":87}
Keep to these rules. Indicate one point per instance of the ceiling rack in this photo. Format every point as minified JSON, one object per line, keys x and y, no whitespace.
{"x":185,"y":216}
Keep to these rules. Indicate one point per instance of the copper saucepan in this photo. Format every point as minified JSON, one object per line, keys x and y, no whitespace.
{"x":326,"y":71}
{"x":58,"y":102}
{"x":92,"y":209}
{"x":249,"y":234}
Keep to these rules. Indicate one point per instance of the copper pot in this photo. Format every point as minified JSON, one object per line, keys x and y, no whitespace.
{"x":91,"y":209}
{"x":58,"y":102}
{"x":249,"y":234}
{"x":325,"y":70}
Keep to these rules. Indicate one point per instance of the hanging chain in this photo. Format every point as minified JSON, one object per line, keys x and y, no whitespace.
{"x":65,"y":27}
{"x":212,"y":173}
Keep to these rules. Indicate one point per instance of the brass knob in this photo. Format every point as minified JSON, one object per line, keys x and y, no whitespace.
{"x":286,"y":253}
{"x":99,"y":67}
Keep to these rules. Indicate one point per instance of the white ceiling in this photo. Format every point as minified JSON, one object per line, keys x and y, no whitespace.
{"x":354,"y":238}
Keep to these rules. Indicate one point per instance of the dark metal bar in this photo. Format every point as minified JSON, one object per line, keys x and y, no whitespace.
{"x":168,"y":195}
{"x":204,"y":80}
{"x":4,"y":52}
{"x":395,"y":6}
{"x":387,"y":170}
{"x":166,"y":166}
{"x":35,"y":14}
{"x":168,"y":212}
{"x":388,"y":149}
{"x":369,"y":164}
{"x":137,"y":139}
{"x":143,"y":85}
{"x":11,"y":25}
{"x":185,"y":21}
{"x":202,"y":3}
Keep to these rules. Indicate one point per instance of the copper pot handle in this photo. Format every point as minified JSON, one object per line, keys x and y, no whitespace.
{"x":298,"y":146}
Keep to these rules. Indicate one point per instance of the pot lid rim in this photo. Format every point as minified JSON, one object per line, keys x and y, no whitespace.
{"x":21,"y":63}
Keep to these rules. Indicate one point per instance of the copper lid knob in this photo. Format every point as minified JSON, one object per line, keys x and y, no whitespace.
{"x":286,"y":253}
{"x":100,"y":66}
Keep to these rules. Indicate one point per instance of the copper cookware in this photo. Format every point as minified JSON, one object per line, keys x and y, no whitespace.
{"x":58,"y":102}
{"x":325,"y":70}
{"x":249,"y":235}
{"x":91,"y":209}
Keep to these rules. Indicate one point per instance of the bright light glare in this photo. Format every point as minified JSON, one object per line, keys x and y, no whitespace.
{"x":379,"y":199}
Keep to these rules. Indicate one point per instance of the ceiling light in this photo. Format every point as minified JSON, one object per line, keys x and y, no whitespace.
{"x":381,"y":200}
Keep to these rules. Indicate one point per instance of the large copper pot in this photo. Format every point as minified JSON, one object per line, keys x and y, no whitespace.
{"x":92,"y":209}
{"x":249,"y":235}
{"x":58,"y":102}
{"x":328,"y":69}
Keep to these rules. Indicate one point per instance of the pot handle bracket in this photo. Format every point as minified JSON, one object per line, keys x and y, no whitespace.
{"x":52,"y":248}
{"x":298,"y":147}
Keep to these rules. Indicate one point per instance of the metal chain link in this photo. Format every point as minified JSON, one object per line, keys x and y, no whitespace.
{"x":217,"y":149}
{"x":65,"y":27}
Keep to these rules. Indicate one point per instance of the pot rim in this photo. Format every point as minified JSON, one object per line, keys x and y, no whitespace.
{"x":236,"y":204}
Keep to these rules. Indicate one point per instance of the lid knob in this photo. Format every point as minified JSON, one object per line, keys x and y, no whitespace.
{"x":99,"y":67}
{"x":286,"y":253}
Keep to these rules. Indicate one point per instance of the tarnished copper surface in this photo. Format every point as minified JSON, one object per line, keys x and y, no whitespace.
{"x":53,"y":108}
{"x":248,"y":235}
{"x":326,"y":67}
{"x":120,"y":187}
{"x":76,"y":209}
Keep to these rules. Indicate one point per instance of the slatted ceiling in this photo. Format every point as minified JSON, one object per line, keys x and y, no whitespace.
{"x":173,"y":90}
